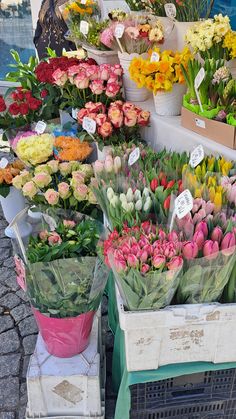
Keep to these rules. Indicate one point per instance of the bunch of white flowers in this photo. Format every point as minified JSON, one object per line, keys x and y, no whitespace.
{"x":130,"y":201}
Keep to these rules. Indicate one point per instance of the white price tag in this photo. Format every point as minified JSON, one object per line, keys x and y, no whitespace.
{"x":199,"y":78}
{"x":200,"y":123}
{"x":155,"y":57}
{"x":3,"y":163}
{"x":84,"y":27}
{"x":50,"y":221}
{"x":74,"y":113}
{"x":170,"y":10}
{"x":196,"y":156}
{"x":83,"y":1}
{"x":40,"y":127}
{"x":134,"y":156}
{"x":119,"y":30}
{"x":89,"y":125}
{"x":183,"y":204}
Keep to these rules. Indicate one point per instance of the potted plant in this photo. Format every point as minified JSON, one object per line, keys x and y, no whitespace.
{"x":164,"y":78}
{"x":64,"y":281}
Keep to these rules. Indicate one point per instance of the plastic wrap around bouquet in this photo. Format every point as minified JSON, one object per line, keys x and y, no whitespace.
{"x":65,"y":279}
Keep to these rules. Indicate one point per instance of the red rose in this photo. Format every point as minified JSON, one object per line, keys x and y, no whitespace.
{"x":44,"y":93}
{"x":24,"y":108}
{"x":34,"y":104}
{"x":14,"y":109}
{"x":28,"y":95}
{"x":14,"y":95}
{"x":2,"y":104}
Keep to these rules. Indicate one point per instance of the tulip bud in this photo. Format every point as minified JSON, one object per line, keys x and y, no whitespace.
{"x":146,"y":192}
{"x":132,"y":261}
{"x":170,"y":184}
{"x":137,"y":195}
{"x":209,"y":208}
{"x":154,"y":184}
{"x":199,"y":238}
{"x":129,"y":195}
{"x":143,"y":256}
{"x":130,"y":206}
{"x":114,"y":201}
{"x":217,"y":234}
{"x":147,"y":204}
{"x":139,"y":205}
{"x":190,"y":250}
{"x":228,"y":244}
{"x":98,"y":166}
{"x":202,"y":226}
{"x":166,"y":204}
{"x":173,"y":236}
{"x":108,"y":165}
{"x":145,"y":268}
{"x":210,"y":249}
{"x":175,"y":263}
{"x":158,"y":261}
{"x":123,"y":197}
{"x":110,"y":194}
{"x":117,"y":164}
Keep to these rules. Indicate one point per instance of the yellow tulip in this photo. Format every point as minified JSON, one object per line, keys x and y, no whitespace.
{"x":218,"y":201}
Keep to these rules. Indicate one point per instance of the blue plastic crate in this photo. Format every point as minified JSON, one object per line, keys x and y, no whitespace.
{"x":206,"y":386}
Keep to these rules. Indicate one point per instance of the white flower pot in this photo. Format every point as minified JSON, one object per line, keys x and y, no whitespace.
{"x":132,"y":92}
{"x":232,"y":67}
{"x":102,"y":57}
{"x":170,"y":103}
{"x":11,"y":206}
{"x":181,"y":29}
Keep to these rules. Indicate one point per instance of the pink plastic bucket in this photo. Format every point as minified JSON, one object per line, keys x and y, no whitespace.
{"x":67,"y":337}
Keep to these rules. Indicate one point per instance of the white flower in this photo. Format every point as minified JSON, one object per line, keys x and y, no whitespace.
{"x":125,"y":206}
{"x":130,"y":206}
{"x":146,"y":192}
{"x":137,"y":195}
{"x":130,"y":195}
{"x":110,"y":194}
{"x":123,"y":197}
{"x":138,"y":205}
{"x":147,"y":204}
{"x":114,"y":201}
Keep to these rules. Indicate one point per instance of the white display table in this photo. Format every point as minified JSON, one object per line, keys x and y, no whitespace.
{"x":167,"y":132}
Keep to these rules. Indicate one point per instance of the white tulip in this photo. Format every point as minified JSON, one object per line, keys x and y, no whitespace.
{"x":137,"y":195}
{"x":130,"y":206}
{"x":146,"y":192}
{"x":123,"y":197}
{"x":110,"y":194}
{"x":138,"y":205}
{"x":130,"y":195}
{"x":147,"y":204}
{"x":125,"y":206}
{"x":114,"y":201}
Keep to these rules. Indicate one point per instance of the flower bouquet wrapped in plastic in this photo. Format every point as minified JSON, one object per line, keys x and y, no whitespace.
{"x":64,"y":279}
{"x":146,"y":263}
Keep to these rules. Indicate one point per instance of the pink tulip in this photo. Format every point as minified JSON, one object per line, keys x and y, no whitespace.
{"x":149,"y":249}
{"x":158,"y":261}
{"x":143,"y":241}
{"x":199,"y":238}
{"x":175,"y":263}
{"x":202,"y":226}
{"x":228,"y":244}
{"x":132,"y":261}
{"x":135,"y":249}
{"x":126,"y":249}
{"x":188,"y":229}
{"x":190,"y":250}
{"x":143,"y":256}
{"x":210,"y":249}
{"x":161,"y":234}
{"x":145,"y":268}
{"x":146,"y":227}
{"x":209,"y":208}
{"x":119,"y":261}
{"x":217,"y":234}
{"x":173,"y":236}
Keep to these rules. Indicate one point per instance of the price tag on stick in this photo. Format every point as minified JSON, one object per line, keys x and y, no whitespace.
{"x":197,"y":83}
{"x":183,"y":205}
{"x":155,"y":57}
{"x":74,"y":113}
{"x":40,"y":127}
{"x":134,"y":156}
{"x":196,"y":156}
{"x":3,"y":163}
{"x":84,"y":27}
{"x":89,"y":125}
{"x":119,"y":30}
{"x":170,"y":10}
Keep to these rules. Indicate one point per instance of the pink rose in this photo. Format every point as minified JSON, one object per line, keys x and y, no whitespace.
{"x":69,"y":223}
{"x":97,"y":87}
{"x":93,"y":72}
{"x":158,"y":261}
{"x":100,"y":119}
{"x":143,"y":118}
{"x":81,"y":80}
{"x":117,"y":104}
{"x":81,"y":114}
{"x":112,"y":89}
{"x":60,"y":77}
{"x":105,"y":70}
{"x":54,"y":238}
{"x":107,"y":37}
{"x":114,"y":79}
{"x":130,"y":118}
{"x":105,"y":130}
{"x":80,"y":192}
{"x":145,"y":268}
{"x":78,"y":176}
{"x":43,"y":235}
{"x":95,"y":107}
{"x":116,"y":117}
{"x":117,"y":69}
{"x":128,"y":106}
{"x":42,"y":179}
{"x":72,"y":71}
{"x":29,"y":189}
{"x":64,"y":190}
{"x":52,"y":197}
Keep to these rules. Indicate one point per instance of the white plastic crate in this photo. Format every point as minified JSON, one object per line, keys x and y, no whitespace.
{"x":66,"y":387}
{"x":178,"y":334}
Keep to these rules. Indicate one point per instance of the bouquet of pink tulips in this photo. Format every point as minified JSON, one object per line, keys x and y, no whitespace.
{"x":146,"y":263}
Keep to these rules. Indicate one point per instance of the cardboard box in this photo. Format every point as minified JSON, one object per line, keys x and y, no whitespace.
{"x":217,"y":131}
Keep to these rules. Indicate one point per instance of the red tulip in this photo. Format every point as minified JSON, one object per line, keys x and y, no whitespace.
{"x":166,"y":204}
{"x":164,"y":181}
{"x":154,"y":184}
{"x":170,"y":184}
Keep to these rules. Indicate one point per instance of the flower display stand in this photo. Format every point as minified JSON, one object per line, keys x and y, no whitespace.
{"x":69,"y":387}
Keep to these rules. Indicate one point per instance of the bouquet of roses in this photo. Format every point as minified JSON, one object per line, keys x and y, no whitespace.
{"x":117,"y":123}
{"x":7,"y":174}
{"x":146,"y":263}
{"x":141,"y":32}
{"x":32,"y":148}
{"x":61,"y":185}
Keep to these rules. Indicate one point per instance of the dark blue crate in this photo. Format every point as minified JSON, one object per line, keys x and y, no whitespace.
{"x":206,"y":386}
{"x":224,"y":409}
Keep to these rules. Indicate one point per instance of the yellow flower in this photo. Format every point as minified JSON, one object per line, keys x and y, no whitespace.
{"x":218,"y":201}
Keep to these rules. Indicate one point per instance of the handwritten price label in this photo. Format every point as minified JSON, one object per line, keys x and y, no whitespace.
{"x":3,"y":163}
{"x":199,"y":78}
{"x":89,"y":125}
{"x":40,"y":127}
{"x":119,"y":30}
{"x":74,"y":113}
{"x":134,"y":156}
{"x":84,"y":27}
{"x":155,"y":57}
{"x":183,"y":204}
{"x":170,"y":10}
{"x":197,"y":156}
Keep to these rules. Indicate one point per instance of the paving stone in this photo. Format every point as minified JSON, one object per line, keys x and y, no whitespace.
{"x":6,"y":323}
{"x":3,"y":290}
{"x":4,"y":254}
{"x":22,"y":295}
{"x":29,"y":343}
{"x":25,"y":365}
{"x":21,"y":414}
{"x":5,"y":243}
{"x":9,"y":342}
{"x":9,"y":263}
{"x":8,"y":278}
{"x":21,"y":312}
{"x":10,"y":300}
{"x":9,"y":393}
{"x":1,"y":310}
{"x":28,"y":326}
{"x":7,"y":415}
{"x":23,"y":394}
{"x":9,"y":365}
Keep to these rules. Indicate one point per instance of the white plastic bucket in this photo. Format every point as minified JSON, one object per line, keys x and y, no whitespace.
{"x":170,"y":103}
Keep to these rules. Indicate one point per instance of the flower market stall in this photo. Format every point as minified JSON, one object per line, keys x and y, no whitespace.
{"x":123,"y":179}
